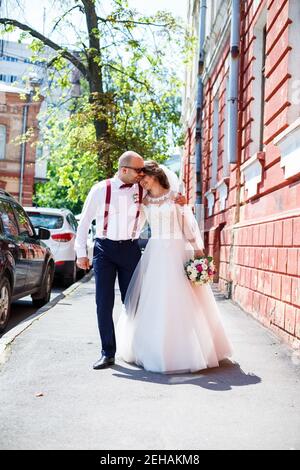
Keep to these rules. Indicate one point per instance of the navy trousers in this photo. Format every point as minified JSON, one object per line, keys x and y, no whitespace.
{"x":112,"y":258}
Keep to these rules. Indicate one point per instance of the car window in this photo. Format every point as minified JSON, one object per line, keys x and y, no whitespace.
{"x":49,"y":221}
{"x":72,"y":221}
{"x":75,"y":222}
{"x":23,"y":221}
{"x":8,"y":219}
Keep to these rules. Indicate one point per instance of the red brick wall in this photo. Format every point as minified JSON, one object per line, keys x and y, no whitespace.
{"x":257,"y":241}
{"x":11,"y":111}
{"x":266,"y":273}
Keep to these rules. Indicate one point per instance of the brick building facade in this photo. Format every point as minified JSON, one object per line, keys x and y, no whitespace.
{"x":12,"y":120}
{"x":252,"y":207}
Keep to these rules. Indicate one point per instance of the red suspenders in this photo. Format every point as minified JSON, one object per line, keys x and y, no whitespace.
{"x":137,"y":212}
{"x":107,"y":204}
{"x":106,"y":207}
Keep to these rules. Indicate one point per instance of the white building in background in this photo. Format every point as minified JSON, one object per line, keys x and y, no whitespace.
{"x":16,"y":65}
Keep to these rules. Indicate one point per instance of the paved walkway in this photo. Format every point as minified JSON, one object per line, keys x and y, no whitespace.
{"x":251,"y":402}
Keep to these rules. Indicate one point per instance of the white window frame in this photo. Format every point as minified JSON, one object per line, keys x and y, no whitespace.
{"x":294,"y":69}
{"x":226,"y":167}
{"x":215,"y":140}
{"x":256,"y":109}
{"x":3,"y":132}
{"x":288,"y":141}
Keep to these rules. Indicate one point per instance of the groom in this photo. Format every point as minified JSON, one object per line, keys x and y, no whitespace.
{"x":115,"y":204}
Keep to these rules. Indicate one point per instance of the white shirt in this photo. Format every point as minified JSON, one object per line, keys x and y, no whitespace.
{"x":121,"y":217}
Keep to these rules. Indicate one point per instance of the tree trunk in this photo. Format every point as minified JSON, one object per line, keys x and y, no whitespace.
{"x":97,"y":97}
{"x":92,"y":72}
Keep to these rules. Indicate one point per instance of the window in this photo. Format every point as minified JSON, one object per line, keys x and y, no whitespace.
{"x":288,"y":141}
{"x":226,"y":132}
{"x":263,"y":83}
{"x":215,"y":142}
{"x":258,"y":105}
{"x":2,"y":141}
{"x":48,"y":221}
{"x":10,"y":58}
{"x":23,"y":221}
{"x":217,"y":5}
{"x":8,"y":219}
{"x":8,"y":78}
{"x":72,"y":221}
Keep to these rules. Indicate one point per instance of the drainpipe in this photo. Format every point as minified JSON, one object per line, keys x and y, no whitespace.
{"x":237,"y":49}
{"x":23,"y":149}
{"x":240,"y":118}
{"x":198,"y":150}
{"x":233,"y":81}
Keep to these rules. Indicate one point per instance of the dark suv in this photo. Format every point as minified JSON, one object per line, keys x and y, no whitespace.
{"x":26,"y":263}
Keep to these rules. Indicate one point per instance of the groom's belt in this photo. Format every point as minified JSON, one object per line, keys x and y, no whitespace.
{"x":117,"y":241}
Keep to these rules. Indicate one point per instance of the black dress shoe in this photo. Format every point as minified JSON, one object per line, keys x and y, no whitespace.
{"x":104,"y":362}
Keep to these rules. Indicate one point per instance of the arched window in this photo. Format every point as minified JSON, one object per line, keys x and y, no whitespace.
{"x":2,"y":141}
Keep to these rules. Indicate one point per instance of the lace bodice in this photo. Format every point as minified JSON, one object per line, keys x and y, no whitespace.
{"x":163,"y":220}
{"x":169,"y":221}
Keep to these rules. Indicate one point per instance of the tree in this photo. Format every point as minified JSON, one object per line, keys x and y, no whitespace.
{"x":134,"y":124}
{"x":130,"y":94}
{"x":94,"y":58}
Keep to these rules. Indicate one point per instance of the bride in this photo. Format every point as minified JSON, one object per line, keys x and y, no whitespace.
{"x":168,"y":324}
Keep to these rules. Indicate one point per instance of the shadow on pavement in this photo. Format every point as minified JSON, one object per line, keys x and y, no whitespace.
{"x":222,"y":378}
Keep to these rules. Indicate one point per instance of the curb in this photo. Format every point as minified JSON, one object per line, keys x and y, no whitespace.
{"x":9,"y":337}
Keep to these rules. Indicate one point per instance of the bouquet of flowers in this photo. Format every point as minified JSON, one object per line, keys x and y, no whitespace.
{"x":200,"y":270}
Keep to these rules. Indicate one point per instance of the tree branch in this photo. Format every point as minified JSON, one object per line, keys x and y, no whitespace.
{"x":47,"y":42}
{"x":65,"y":14}
{"x":143,"y":23}
{"x":130,"y":76}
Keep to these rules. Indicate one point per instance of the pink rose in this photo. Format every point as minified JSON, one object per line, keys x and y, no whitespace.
{"x":199,"y":268}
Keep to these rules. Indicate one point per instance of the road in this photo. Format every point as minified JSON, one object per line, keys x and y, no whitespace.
{"x":23,"y":308}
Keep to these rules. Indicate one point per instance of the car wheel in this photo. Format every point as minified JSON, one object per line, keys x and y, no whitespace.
{"x":5,"y":303}
{"x":71,"y":277}
{"x":41,"y":301}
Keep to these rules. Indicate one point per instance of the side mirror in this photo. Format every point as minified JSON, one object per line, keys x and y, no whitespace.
{"x":43,"y":233}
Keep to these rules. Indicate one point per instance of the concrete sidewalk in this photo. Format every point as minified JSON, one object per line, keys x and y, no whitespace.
{"x":251,"y":402}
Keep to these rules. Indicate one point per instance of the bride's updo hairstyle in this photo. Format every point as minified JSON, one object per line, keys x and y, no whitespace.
{"x":152,"y":168}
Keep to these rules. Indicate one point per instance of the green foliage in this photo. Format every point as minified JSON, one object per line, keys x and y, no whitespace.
{"x":7,"y":29}
{"x":140,"y":103}
{"x":74,"y":164}
{"x":135,"y":121}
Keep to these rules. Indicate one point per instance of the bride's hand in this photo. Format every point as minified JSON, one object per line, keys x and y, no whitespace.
{"x":199,"y":253}
{"x":180,"y":199}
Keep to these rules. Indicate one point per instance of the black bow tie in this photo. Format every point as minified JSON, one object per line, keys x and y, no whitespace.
{"x":127,"y":185}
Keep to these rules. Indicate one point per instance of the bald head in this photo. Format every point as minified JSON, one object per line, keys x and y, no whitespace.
{"x":129,"y":158}
{"x":129,"y":162}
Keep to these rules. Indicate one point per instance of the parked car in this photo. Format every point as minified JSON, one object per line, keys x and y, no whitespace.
{"x":26,"y":263}
{"x":63,"y":226}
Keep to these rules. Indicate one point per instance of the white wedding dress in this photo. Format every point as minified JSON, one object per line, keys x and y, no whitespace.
{"x":168,"y":324}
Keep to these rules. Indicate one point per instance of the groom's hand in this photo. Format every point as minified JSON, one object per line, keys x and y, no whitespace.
{"x":181,"y":199}
{"x":83,"y":263}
